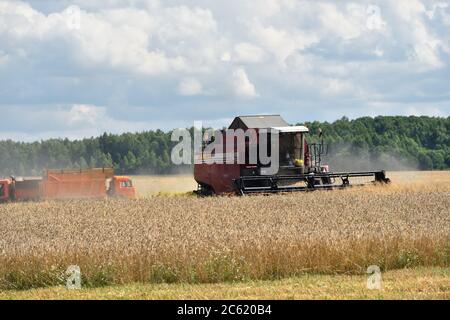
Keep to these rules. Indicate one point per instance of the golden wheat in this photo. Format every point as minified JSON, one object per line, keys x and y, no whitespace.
{"x":225,"y":238}
{"x":164,"y":185}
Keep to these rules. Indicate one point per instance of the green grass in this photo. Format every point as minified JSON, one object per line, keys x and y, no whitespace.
{"x":418,"y":283}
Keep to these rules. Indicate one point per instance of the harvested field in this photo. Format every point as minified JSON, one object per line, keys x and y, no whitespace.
{"x":203,"y":240}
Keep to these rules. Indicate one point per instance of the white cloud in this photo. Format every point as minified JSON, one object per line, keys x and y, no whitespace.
{"x":280,"y":42}
{"x":248,"y":53}
{"x":226,"y":57}
{"x":347,"y":24}
{"x":436,"y":7}
{"x":378,"y":52}
{"x":66,"y":121}
{"x":414,"y":32}
{"x":337,"y":86}
{"x":3,"y":58}
{"x":84,"y":115}
{"x":414,"y":109}
{"x":242,"y":85}
{"x":101,"y":59}
{"x":119,"y":39}
{"x":190,"y":87}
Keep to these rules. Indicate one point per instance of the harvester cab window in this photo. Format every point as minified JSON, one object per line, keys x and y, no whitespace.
{"x":2,"y":189}
{"x":126,"y":184}
{"x":286,"y":149}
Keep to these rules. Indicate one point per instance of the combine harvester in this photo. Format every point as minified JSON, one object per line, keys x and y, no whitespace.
{"x":300,"y":167}
{"x":67,"y":184}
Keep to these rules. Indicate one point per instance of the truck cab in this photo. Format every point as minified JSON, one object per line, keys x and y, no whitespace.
{"x":5,"y":190}
{"x":121,"y":187}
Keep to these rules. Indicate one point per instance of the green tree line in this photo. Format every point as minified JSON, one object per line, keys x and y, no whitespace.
{"x":365,"y":143}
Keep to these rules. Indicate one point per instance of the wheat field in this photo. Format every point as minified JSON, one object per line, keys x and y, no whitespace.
{"x":159,"y":238}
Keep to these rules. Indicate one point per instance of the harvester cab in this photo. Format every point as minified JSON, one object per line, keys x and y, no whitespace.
{"x":293,"y":150}
{"x":299,"y":163}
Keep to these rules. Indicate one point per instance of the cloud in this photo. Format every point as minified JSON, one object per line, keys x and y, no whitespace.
{"x":3,"y":59}
{"x":248,"y":53}
{"x":73,"y":121}
{"x":146,"y":63}
{"x":190,"y":87}
{"x":242,"y":85}
{"x":81,"y":115}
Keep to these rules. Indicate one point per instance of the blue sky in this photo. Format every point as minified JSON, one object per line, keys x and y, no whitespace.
{"x":79,"y":68}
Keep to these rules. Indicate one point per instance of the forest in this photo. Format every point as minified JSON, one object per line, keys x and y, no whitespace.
{"x":383,"y":142}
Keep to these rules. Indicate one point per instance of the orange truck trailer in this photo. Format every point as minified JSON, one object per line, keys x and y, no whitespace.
{"x":67,"y":184}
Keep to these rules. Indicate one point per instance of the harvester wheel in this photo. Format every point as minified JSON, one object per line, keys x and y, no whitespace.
{"x":326,"y":180}
{"x":345,"y":181}
{"x":205,"y":190}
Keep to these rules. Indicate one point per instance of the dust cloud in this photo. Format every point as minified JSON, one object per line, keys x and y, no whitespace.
{"x":344,"y":158}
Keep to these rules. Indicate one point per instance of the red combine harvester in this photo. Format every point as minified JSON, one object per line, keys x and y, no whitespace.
{"x":300,"y":167}
{"x":67,"y":184}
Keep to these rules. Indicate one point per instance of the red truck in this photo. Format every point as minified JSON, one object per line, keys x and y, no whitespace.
{"x":67,"y":184}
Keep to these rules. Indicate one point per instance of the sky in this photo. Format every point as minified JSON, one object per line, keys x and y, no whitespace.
{"x":83,"y":67}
